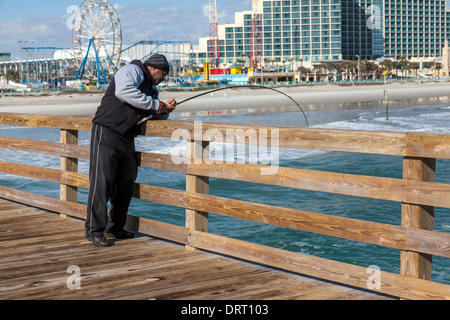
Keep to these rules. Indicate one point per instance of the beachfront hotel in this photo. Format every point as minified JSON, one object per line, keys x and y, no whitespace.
{"x":304,"y":32}
{"x":415,"y":29}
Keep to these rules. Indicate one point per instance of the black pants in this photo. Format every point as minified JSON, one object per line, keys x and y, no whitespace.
{"x":112,"y":174}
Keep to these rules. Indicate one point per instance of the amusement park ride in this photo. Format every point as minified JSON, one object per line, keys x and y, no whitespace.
{"x":97,"y":43}
{"x":97,"y":40}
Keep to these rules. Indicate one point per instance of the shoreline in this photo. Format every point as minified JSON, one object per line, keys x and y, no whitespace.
{"x":310,"y":98}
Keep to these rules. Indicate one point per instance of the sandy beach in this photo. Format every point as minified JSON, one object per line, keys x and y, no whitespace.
{"x":309,"y":97}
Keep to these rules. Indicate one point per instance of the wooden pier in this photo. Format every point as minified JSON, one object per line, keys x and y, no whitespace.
{"x":37,"y":249}
{"x":187,"y":262}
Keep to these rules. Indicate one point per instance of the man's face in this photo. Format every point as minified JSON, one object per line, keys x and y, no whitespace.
{"x":158,"y":75}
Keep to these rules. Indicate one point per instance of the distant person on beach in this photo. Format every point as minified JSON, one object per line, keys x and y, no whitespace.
{"x":131,"y":99}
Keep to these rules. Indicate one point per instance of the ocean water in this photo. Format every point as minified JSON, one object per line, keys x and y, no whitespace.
{"x":421,"y":116}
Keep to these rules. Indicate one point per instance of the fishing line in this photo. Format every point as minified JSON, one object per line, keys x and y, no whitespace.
{"x":245,"y":86}
{"x":269,"y":226}
{"x":235,"y":87}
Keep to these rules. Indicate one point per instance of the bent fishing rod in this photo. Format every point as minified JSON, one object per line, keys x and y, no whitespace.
{"x":235,"y":87}
{"x":245,"y":86}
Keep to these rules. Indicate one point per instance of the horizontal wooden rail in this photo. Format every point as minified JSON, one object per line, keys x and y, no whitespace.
{"x":46,"y":121}
{"x":352,"y":229}
{"x":45,"y":147}
{"x":349,"y":274}
{"x":402,"y":190}
{"x":392,"y":284}
{"x":416,"y":191}
{"x":51,"y":204}
{"x":424,"y":145}
{"x":52,"y":175}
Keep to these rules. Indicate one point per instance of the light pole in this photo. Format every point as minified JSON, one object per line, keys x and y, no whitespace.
{"x":358,"y":67}
{"x":386,"y":96}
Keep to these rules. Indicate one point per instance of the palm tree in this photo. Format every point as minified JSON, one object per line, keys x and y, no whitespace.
{"x":350,"y":67}
{"x":340,"y":70}
{"x":401,"y":64}
{"x":240,"y":62}
{"x":302,"y":70}
{"x":291,"y":60}
{"x":369,"y":68}
{"x":388,"y":65}
{"x":415,"y":66}
{"x":12,"y":75}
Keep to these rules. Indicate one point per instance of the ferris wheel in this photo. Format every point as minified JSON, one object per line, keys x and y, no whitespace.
{"x":97,"y":40}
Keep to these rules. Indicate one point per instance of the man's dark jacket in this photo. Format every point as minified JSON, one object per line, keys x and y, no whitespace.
{"x":121,"y":116}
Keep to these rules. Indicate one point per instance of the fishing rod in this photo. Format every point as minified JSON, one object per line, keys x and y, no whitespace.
{"x":234,"y":87}
{"x":245,"y":86}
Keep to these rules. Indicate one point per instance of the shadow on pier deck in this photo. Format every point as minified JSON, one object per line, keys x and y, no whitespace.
{"x":37,"y":248}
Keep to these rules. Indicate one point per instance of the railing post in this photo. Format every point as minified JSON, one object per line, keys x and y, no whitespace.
{"x":416,"y":264}
{"x":68,"y":193}
{"x":197,"y":220}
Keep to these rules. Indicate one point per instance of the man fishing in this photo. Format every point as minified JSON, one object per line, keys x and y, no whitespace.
{"x":131,"y":98}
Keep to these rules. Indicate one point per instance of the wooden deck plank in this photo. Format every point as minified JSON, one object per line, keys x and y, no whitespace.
{"x":93,"y":277}
{"x":140,"y":285}
{"x":95,"y":280}
{"x":39,"y":241}
{"x":172,"y":283}
{"x":85,"y":258}
{"x":88,"y":259}
{"x":217,"y":287}
{"x":126,"y":275}
{"x":9,"y":212}
{"x":16,"y":231}
{"x":47,"y":252}
{"x":37,"y":247}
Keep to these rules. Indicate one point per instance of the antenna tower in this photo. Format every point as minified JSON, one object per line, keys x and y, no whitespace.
{"x":214,"y":50}
{"x":255,"y":50}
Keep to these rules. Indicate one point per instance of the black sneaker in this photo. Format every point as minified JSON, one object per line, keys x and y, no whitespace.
{"x":120,"y":234}
{"x":98,"y":241}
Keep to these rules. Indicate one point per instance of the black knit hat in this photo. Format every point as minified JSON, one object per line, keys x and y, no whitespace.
{"x":158,"y":61}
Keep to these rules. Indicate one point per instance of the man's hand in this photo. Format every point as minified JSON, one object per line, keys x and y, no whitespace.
{"x":166,"y":107}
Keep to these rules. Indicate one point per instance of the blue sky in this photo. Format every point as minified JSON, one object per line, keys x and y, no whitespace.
{"x":44,"y":21}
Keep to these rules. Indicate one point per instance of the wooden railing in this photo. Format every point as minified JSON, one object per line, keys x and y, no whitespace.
{"x":417,"y":192}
